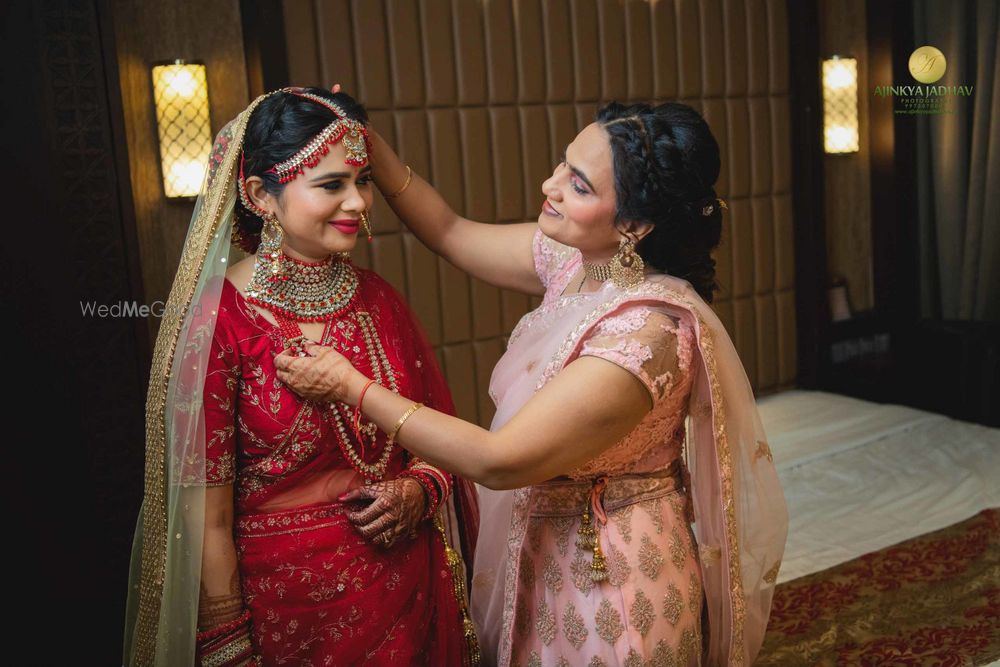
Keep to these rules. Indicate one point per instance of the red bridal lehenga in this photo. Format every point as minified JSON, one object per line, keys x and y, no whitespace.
{"x":317,"y":592}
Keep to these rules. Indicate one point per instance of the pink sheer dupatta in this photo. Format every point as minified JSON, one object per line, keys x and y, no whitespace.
{"x":741,"y":519}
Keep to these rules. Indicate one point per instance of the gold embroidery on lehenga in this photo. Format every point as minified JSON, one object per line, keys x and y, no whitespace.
{"x":562,"y":662}
{"x":526,"y":573}
{"x":561,"y":526}
{"x":633,"y":659}
{"x":522,"y":618}
{"x":642,"y":614}
{"x":608,"y":622}
{"x":580,"y":570}
{"x":673,"y":604}
{"x":545,"y":623}
{"x":678,"y":551}
{"x":652,"y":508}
{"x":552,"y":574}
{"x":574,"y":628}
{"x":650,"y":558}
{"x":694,"y":594}
{"x":663,"y":655}
{"x":622,"y":518}
{"x":534,"y":535}
{"x":597,"y":662}
{"x":618,"y":567}
{"x":534,"y":660}
{"x":689,"y":646}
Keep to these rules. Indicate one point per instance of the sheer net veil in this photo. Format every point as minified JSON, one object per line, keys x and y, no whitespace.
{"x":165,"y":571}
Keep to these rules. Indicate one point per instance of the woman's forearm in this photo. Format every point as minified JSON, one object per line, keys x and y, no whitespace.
{"x":419,"y":206}
{"x":447,"y":442}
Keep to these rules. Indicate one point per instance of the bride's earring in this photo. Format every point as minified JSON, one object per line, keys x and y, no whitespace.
{"x":269,"y":254}
{"x":627,"y":266}
{"x":366,"y":224}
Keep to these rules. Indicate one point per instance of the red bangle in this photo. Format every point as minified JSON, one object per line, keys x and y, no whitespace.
{"x":357,"y":410}
{"x":226,"y":627}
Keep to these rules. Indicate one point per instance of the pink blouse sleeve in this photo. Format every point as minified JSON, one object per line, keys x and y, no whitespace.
{"x":650,"y":344}
{"x":220,"y":398}
{"x":550,"y":256}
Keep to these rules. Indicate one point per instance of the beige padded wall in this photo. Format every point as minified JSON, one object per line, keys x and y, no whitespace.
{"x":480,"y":97}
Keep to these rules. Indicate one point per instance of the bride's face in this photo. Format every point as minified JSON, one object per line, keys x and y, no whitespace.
{"x":320,"y":210}
{"x":579,"y":207}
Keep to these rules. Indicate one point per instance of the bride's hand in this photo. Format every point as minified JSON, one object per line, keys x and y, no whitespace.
{"x":325,"y":375}
{"x":397,"y":508}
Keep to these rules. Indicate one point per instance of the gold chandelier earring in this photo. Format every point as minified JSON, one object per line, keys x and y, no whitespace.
{"x":270,"y":258}
{"x":627,"y":266}
{"x":366,"y":225}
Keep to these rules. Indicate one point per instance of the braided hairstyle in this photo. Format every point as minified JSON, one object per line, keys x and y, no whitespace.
{"x":278,"y":128}
{"x":666,"y":162}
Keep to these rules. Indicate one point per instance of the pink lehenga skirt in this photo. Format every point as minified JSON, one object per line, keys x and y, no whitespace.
{"x":647,"y":609}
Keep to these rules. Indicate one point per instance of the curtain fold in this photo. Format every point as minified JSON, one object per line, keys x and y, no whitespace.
{"x":958,"y":165}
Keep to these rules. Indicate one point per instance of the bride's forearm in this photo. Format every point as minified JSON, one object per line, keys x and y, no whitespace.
{"x":419,"y":206}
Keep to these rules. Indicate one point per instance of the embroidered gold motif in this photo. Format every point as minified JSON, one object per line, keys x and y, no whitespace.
{"x":522,"y":618}
{"x":608,"y":622}
{"x":534,"y":660}
{"x":633,"y":659}
{"x":694,"y":594}
{"x":561,"y":526}
{"x":673,"y":604}
{"x":580,"y":572}
{"x":534,"y":535}
{"x":552,"y":574}
{"x":562,"y":662}
{"x":574,"y":628}
{"x":688,"y":648}
{"x":678,"y":551}
{"x":623,"y":520}
{"x":663,"y":655}
{"x":652,"y":508}
{"x":618,"y":567}
{"x":763,"y":450}
{"x":642,"y":614}
{"x":772,"y":575}
{"x":709,"y":554}
{"x":526,"y":573}
{"x":545,"y":623}
{"x":597,"y":662}
{"x":650,"y":558}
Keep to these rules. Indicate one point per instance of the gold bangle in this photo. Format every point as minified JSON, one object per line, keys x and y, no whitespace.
{"x":406,"y":415}
{"x":409,"y":175}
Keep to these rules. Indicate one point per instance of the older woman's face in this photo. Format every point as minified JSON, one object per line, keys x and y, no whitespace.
{"x":320,"y":210}
{"x":580,"y":203}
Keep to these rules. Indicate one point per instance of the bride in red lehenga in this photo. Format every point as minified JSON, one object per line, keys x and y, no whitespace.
{"x":243,"y":553}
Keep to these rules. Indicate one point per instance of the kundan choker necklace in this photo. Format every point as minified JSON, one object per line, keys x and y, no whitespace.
{"x":303,"y":291}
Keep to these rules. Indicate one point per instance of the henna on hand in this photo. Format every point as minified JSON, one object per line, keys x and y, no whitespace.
{"x":397,"y":508}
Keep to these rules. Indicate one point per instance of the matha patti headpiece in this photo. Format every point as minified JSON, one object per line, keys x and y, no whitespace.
{"x":352,"y":132}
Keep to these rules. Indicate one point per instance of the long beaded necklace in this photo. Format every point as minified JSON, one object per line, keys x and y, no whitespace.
{"x":320,"y":288}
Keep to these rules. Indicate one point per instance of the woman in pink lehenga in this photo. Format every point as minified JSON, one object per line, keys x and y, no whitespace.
{"x":623,"y":411}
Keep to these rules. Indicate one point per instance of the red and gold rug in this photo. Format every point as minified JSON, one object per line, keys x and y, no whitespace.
{"x":931,"y":600}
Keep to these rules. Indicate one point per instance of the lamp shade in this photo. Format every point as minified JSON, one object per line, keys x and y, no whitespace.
{"x":180,"y":92}
{"x":840,"y":105}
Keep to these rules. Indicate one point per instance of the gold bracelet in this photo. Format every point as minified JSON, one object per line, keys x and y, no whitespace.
{"x":406,"y":415}
{"x":409,"y":175}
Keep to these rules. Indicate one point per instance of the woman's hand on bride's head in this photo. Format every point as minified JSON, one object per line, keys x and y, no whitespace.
{"x":325,"y":375}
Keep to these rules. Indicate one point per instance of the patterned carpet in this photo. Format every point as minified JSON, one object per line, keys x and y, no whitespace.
{"x":931,"y":600}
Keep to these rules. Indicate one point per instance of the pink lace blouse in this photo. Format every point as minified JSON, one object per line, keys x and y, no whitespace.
{"x":656,"y":347}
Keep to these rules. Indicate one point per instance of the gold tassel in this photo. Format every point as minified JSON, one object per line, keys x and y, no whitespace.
{"x":457,"y":568}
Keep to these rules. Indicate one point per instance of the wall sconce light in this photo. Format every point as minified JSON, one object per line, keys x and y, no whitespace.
{"x":840,"y":105}
{"x":180,"y":91}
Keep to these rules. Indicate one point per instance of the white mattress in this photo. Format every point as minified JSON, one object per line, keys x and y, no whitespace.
{"x":861,"y":476}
